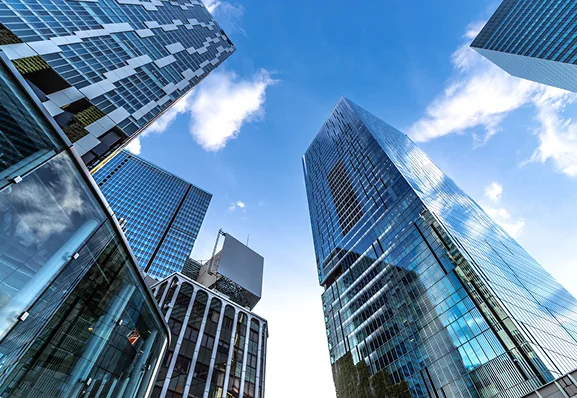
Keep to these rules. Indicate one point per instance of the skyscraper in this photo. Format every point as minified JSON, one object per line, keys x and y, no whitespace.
{"x":534,"y":40}
{"x":419,"y":282}
{"x":106,"y":69}
{"x":162,"y":212}
{"x":76,"y":319}
{"x":219,"y":348}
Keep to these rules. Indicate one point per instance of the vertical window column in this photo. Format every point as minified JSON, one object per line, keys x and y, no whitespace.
{"x":259,"y":360}
{"x":220,"y":367}
{"x":196,"y":384}
{"x":230,"y":354}
{"x":179,"y":365}
{"x":248,"y":382}
{"x":210,"y":381}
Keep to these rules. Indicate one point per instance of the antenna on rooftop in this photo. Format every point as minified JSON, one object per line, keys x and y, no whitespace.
{"x":213,"y":264}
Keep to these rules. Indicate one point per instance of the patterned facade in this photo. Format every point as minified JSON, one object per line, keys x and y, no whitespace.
{"x":218,"y":348}
{"x":534,"y":40}
{"x":105,"y":69}
{"x":76,"y":318}
{"x":419,"y":281}
{"x":163,"y":213}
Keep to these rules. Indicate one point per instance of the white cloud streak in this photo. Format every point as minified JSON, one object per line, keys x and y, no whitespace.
{"x":494,"y":192}
{"x":479,"y":94}
{"x":219,"y":107}
{"x":211,"y":5}
{"x":500,"y":215}
{"x":134,"y":146}
{"x":238,"y":204}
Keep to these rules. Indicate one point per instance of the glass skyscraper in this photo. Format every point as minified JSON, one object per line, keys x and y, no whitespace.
{"x":534,"y":40}
{"x":76,"y":319}
{"x":161,"y":212}
{"x":106,"y":69}
{"x":419,"y":282}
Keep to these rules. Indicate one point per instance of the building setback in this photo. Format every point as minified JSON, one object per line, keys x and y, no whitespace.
{"x":106,"y":69}
{"x":218,"y":349}
{"x":419,"y":282}
{"x":534,"y":40}
{"x":76,"y":318}
{"x":162,"y":212}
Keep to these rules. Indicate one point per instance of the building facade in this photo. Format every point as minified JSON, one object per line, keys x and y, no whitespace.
{"x":76,"y":318}
{"x":564,"y":387}
{"x":534,"y":40}
{"x":161,"y":212}
{"x":419,"y":282}
{"x":191,"y":268}
{"x":106,"y":69}
{"x":218,"y":348}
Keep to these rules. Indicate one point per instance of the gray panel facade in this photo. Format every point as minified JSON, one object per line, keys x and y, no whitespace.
{"x":106,"y":69}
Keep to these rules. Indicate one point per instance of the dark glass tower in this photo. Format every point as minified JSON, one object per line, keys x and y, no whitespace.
{"x":161,"y":212}
{"x":419,"y":282}
{"x":533,"y":39}
{"x":106,"y":69}
{"x":76,"y":318}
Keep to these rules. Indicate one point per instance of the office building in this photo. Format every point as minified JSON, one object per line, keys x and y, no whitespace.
{"x":191,"y":268}
{"x":218,"y":347}
{"x":534,"y":40}
{"x":564,"y":387}
{"x":76,"y":319}
{"x":420,"y":284}
{"x":161,"y":213}
{"x":106,"y":69}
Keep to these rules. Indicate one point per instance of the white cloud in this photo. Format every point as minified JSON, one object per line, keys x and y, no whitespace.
{"x":501,"y":216}
{"x":238,"y":204}
{"x":494,"y":192}
{"x":504,"y":219}
{"x":134,"y":146}
{"x":479,"y":94}
{"x":219,"y":107}
{"x":211,"y":5}
{"x":557,"y":136}
{"x":229,"y":16}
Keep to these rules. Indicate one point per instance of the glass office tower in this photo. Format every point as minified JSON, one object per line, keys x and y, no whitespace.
{"x":534,"y":40}
{"x":76,"y":318}
{"x":419,"y":282}
{"x":160,"y":212}
{"x":106,"y":69}
{"x":218,"y":347}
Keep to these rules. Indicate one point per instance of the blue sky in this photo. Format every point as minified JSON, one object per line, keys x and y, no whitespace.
{"x":509,"y":143}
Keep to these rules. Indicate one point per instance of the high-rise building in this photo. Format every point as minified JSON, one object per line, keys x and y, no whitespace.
{"x":534,"y":40}
{"x":76,"y":319}
{"x":563,"y":387}
{"x":106,"y":69}
{"x":420,"y":284}
{"x":219,"y":345}
{"x":161,"y":212}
